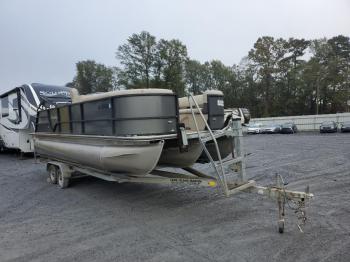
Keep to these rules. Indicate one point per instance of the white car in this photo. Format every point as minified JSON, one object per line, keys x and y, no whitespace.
{"x":255,"y":128}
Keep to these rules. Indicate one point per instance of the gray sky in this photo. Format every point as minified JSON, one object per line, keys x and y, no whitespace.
{"x":41,"y":40}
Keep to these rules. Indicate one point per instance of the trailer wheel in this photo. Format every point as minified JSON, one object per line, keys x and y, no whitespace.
{"x":52,"y":174}
{"x":63,"y":182}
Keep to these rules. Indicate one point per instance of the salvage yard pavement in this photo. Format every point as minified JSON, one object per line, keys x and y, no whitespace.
{"x":95,"y":220}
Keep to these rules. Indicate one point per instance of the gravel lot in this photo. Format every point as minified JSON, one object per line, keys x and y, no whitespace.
{"x":94,"y":220}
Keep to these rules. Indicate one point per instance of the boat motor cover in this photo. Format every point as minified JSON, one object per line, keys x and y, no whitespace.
{"x":215,"y":109}
{"x":116,"y":113}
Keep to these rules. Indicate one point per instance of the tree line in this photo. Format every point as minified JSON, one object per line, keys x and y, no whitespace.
{"x":278,"y":77}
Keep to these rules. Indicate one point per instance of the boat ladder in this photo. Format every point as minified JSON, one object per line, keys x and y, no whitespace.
{"x":237,"y":162}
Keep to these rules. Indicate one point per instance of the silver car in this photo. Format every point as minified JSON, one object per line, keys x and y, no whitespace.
{"x":255,"y":128}
{"x":271,"y":129}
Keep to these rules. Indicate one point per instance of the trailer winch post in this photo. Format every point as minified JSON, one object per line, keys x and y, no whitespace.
{"x":238,"y":149}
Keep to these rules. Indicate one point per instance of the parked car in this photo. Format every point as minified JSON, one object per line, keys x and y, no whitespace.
{"x":271,"y":129}
{"x":328,"y":127}
{"x":289,"y":128}
{"x":255,"y":128}
{"x":345,"y":127}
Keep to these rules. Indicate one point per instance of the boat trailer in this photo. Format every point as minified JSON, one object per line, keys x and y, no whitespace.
{"x":61,"y":172}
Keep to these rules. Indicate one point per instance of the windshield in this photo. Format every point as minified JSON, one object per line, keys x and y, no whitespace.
{"x":287,"y":125}
{"x":256,"y":125}
{"x":328,"y":123}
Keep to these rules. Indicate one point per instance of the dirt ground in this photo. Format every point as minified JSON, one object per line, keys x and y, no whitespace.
{"x":94,"y":220}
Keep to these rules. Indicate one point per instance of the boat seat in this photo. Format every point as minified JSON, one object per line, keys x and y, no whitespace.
{"x":200,"y":99}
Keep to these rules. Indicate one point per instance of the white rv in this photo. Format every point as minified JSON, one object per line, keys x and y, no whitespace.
{"x":18,"y":109}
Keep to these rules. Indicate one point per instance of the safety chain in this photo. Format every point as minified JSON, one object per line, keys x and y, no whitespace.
{"x":298,"y":207}
{"x":301,"y":214}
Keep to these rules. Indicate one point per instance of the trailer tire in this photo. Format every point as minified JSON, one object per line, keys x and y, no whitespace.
{"x":63,"y":182}
{"x":52,"y":173}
